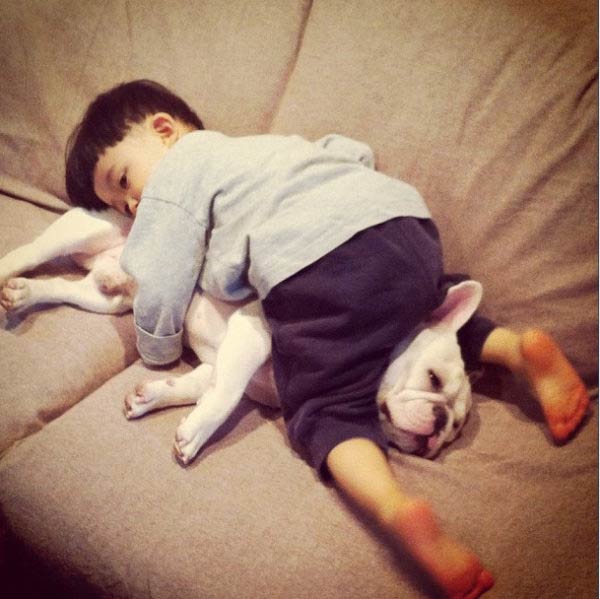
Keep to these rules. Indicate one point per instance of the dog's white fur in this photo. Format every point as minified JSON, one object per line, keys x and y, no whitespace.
{"x":424,"y":397}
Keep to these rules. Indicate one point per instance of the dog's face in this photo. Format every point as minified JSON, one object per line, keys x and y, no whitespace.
{"x":425,"y":395}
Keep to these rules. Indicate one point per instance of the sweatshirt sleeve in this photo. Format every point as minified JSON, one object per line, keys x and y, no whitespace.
{"x":348,"y":148}
{"x":164,"y":253}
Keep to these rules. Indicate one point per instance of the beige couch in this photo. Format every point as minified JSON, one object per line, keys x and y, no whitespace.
{"x":490,"y":110}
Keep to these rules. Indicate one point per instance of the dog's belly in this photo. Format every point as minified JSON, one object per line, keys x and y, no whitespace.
{"x":205,"y":327}
{"x":261,"y":387}
{"x":90,"y":260}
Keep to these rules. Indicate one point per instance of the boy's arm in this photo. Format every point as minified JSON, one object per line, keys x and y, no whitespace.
{"x":164,"y":254}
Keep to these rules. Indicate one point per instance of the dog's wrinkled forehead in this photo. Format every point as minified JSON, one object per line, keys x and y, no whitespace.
{"x":425,"y":394}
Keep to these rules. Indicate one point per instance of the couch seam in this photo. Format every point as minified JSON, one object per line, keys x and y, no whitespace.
{"x":289,"y":71}
{"x":5,"y":189}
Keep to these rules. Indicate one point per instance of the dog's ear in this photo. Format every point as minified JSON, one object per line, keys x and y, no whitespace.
{"x":459,"y":305}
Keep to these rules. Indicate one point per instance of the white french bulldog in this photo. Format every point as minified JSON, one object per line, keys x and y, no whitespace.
{"x":425,"y":394}
{"x":424,"y":397}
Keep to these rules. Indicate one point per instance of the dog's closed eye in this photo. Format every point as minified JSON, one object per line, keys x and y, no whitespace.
{"x":434,"y":379}
{"x":385,"y":411}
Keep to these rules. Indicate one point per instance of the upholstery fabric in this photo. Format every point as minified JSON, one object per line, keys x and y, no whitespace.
{"x":51,"y":357}
{"x":490,"y":110}
{"x":107,"y":512}
{"x":229,"y":61}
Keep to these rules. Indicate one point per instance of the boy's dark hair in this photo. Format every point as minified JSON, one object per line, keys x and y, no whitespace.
{"x":106,"y":122}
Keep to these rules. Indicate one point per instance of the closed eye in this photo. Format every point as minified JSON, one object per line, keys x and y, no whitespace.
{"x":434,"y":380}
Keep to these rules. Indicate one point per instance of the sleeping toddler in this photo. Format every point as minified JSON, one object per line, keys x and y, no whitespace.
{"x":346,"y":262}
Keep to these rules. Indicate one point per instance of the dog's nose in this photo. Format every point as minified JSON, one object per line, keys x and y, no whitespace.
{"x":441,"y":418}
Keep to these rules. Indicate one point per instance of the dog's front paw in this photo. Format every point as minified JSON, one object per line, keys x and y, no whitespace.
{"x":184,"y":447}
{"x":191,"y":435}
{"x":9,"y":268}
{"x":136,"y":404}
{"x":16,"y":294}
{"x":146,"y":397}
{"x":170,"y":392}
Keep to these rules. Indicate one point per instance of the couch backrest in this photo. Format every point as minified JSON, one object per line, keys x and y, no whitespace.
{"x":229,"y":60}
{"x":490,"y":110}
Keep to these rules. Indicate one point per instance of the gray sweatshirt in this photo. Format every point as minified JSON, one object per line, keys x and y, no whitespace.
{"x":236,"y":216}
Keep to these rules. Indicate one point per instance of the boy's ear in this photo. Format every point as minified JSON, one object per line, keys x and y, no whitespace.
{"x":166,"y":126}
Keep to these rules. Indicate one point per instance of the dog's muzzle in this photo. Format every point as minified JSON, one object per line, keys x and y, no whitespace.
{"x":419,"y":422}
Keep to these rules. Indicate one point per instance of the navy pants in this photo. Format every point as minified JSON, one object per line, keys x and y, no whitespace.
{"x":335,"y":323}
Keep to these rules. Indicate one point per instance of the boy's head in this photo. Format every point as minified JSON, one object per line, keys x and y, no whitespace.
{"x":121,"y":122}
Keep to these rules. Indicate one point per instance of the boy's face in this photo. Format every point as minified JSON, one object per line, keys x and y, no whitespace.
{"x":123,"y":170}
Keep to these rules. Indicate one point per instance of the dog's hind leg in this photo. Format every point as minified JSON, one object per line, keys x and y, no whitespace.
{"x":75,"y":231}
{"x":245,"y":347}
{"x":21,"y":293}
{"x":175,"y":391}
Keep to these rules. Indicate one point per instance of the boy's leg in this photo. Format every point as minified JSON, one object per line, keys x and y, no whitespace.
{"x":555,"y":383}
{"x":334,"y":326}
{"x":362,"y":473}
{"x":533,"y":355}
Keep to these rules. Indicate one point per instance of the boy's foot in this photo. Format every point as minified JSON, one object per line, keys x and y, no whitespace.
{"x":558,"y":388}
{"x":456,"y":570}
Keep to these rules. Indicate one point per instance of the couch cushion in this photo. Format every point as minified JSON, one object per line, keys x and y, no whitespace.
{"x":102,"y":504}
{"x":230,"y":63}
{"x":490,"y":110}
{"x":53,"y":356}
